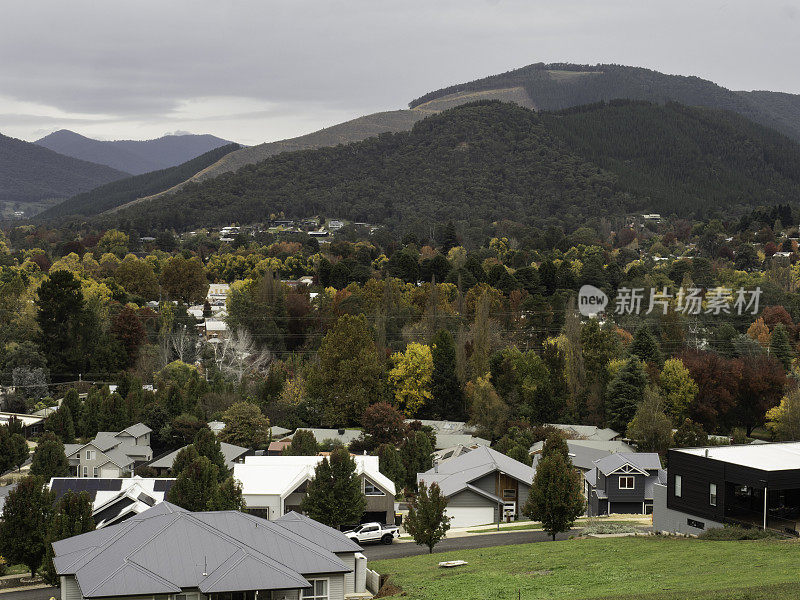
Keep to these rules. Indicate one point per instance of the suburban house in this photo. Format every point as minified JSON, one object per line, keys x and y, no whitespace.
{"x":752,"y":485}
{"x":454,"y":451}
{"x":452,"y":433}
{"x":232,"y":454}
{"x":169,"y":553}
{"x":623,"y":483}
{"x":344,"y":436}
{"x":111,"y":454}
{"x":31,"y":424}
{"x":275,"y":485}
{"x":583,"y":453}
{"x":482,"y":486}
{"x":115,"y":500}
{"x":586,"y":432}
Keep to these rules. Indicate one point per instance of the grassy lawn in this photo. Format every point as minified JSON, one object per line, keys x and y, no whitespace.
{"x":650,"y":568}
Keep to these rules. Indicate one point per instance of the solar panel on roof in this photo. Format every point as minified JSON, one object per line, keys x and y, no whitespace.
{"x":162,"y":485}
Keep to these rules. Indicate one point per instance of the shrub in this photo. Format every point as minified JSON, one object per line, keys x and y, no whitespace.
{"x":736,"y":532}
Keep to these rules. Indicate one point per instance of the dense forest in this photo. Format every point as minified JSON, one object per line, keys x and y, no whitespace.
{"x":118,"y":193}
{"x":563,"y":85}
{"x":496,"y":161}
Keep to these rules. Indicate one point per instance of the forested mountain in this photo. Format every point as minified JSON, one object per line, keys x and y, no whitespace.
{"x":119,"y":193}
{"x":562,"y":85}
{"x":495,"y":161}
{"x":132,"y":156}
{"x":32,"y":177}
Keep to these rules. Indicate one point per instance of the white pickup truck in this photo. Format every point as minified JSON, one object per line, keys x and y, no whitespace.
{"x":373,"y":532}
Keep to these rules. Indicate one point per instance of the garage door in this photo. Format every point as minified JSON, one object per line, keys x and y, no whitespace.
{"x":468,"y":516}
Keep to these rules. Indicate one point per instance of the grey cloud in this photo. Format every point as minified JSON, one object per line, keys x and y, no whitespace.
{"x":141,"y":60}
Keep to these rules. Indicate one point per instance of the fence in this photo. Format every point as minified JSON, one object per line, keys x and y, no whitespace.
{"x":373,"y":581}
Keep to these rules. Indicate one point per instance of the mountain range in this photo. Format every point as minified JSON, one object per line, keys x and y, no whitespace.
{"x":489,"y":161}
{"x":132,"y":156}
{"x":33,"y":177}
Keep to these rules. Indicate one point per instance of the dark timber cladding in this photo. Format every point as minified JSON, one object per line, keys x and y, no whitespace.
{"x":698,"y":472}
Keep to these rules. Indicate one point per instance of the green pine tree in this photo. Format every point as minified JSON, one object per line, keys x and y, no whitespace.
{"x":448,"y":397}
{"x":23,"y":529}
{"x":624,"y":393}
{"x":207,"y":444}
{"x":334,"y":495}
{"x":49,"y":459}
{"x":195,"y":488}
{"x":390,"y":463}
{"x":645,"y":347}
{"x":780,"y":347}
{"x":72,"y":516}
{"x":303,"y":444}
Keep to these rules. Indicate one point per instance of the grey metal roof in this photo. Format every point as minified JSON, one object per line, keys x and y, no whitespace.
{"x":456,"y":473}
{"x":583,"y":453}
{"x":230,"y":451}
{"x":447,"y":440}
{"x":166,"y":549}
{"x":137,"y":430}
{"x":588,"y":432}
{"x":591,"y":477}
{"x":344,"y":435}
{"x":644,"y":461}
{"x":314,"y":531}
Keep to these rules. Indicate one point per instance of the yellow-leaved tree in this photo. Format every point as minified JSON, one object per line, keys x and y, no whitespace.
{"x":411,"y":377}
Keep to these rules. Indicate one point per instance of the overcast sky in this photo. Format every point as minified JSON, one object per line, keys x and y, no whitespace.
{"x":262,"y":70}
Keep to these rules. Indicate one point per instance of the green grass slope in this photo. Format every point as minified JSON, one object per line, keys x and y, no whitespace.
{"x":39,"y":177}
{"x":118,"y":193}
{"x":649,"y":568}
{"x":562,"y":85}
{"x":495,"y":161}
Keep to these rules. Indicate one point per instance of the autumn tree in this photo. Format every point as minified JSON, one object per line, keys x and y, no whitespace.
{"x":411,"y":377}
{"x":486,"y":409}
{"x":383,"y":424}
{"x":717,"y":380}
{"x":678,"y":389}
{"x":184,"y":279}
{"x":760,"y":389}
{"x":245,"y":426}
{"x":334,"y":495}
{"x":427,"y":521}
{"x":348,"y":376}
{"x":784,"y":419}
{"x":651,"y":428}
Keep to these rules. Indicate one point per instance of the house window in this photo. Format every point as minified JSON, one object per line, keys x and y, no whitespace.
{"x":678,"y":486}
{"x":626,"y":482}
{"x":509,"y":494}
{"x":90,"y":455}
{"x":370,"y":489}
{"x":318,"y":590}
{"x":712,"y":494}
{"x":85,"y":471}
{"x":95,"y":472}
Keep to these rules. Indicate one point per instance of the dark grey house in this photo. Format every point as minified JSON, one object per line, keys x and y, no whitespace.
{"x":752,"y":485}
{"x":167,"y":552}
{"x":623,"y":483}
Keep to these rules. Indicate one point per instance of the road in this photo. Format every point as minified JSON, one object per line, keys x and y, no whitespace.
{"x":467,"y":542}
{"x":40,"y":594}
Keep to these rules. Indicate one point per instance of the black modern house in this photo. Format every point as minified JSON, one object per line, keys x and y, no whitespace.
{"x":751,"y":485}
{"x":623,"y":483}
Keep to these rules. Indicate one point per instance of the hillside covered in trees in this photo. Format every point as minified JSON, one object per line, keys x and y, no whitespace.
{"x":498,"y":161}
{"x":564,"y":85}
{"x":33,"y":175}
{"x":118,"y":193}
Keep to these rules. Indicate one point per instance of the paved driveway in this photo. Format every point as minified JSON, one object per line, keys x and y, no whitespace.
{"x":403,"y":549}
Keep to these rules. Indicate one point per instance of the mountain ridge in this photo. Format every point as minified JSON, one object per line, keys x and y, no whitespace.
{"x":132,"y":156}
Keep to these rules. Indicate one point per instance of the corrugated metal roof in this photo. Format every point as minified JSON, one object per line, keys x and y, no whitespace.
{"x":230,"y":451}
{"x":322,"y":535}
{"x":454,"y":474}
{"x":137,"y":430}
{"x":166,"y":549}
{"x":644,"y":461}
